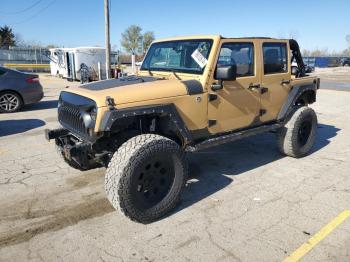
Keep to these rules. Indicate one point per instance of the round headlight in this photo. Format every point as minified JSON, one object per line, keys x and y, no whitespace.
{"x":93,"y":113}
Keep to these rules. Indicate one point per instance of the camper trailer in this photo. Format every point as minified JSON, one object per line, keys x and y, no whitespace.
{"x":73,"y":63}
{"x":57,"y":62}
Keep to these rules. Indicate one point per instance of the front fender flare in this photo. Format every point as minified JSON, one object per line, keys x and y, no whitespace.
{"x":166,"y":110}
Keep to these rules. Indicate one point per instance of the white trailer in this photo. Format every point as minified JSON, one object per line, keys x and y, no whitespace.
{"x":57,"y":62}
{"x":74,"y":61}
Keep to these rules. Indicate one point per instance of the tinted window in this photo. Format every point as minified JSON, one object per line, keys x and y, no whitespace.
{"x":2,"y":72}
{"x":275,"y":58}
{"x":239,"y":54}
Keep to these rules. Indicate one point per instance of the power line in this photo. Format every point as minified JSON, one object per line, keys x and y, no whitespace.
{"x":35,"y":15}
{"x":23,"y":10}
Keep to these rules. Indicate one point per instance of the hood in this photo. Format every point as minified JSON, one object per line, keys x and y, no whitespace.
{"x":136,"y":89}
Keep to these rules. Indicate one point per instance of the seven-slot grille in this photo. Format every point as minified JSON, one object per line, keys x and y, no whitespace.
{"x":71,"y":118}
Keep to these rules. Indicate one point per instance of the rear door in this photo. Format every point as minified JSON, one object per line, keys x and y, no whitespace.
{"x":236,"y":105}
{"x":275,"y":78}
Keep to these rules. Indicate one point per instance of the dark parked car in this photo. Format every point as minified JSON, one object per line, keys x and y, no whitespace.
{"x":18,"y":89}
{"x":346,"y":62}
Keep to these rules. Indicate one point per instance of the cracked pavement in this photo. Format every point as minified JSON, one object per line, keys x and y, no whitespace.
{"x":244,"y":201}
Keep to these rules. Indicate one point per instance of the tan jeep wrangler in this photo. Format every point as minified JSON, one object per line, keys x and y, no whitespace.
{"x":191,"y":93}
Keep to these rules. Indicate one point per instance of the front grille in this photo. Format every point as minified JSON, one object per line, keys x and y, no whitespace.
{"x":73,"y":114}
{"x":71,"y":118}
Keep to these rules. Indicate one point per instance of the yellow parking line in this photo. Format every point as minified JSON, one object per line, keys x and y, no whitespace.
{"x":315,"y":239}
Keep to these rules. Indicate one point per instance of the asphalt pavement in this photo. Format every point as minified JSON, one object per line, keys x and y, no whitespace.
{"x":244,"y":202}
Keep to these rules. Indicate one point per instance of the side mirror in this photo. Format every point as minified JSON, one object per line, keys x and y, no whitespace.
{"x":226,"y":73}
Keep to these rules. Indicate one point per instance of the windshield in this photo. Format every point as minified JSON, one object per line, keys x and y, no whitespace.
{"x":184,"y":56}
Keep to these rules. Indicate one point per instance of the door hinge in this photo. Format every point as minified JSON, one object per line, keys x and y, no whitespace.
{"x":262,"y":112}
{"x":212,"y":97}
{"x":211,"y":122}
{"x":263,"y":90}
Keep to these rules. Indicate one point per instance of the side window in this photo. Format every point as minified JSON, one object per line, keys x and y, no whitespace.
{"x":239,"y":54}
{"x":275,"y":58}
{"x":2,"y":72}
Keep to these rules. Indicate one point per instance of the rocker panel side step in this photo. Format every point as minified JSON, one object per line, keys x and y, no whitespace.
{"x":232,"y":136}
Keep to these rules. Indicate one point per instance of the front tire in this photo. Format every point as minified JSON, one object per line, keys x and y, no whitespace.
{"x":145,"y":177}
{"x":297,"y":137}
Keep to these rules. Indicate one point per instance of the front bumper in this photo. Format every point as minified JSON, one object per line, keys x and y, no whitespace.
{"x":73,"y":149}
{"x":55,"y":133}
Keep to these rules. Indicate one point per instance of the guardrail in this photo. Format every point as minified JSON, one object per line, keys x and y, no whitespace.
{"x":41,"y":66}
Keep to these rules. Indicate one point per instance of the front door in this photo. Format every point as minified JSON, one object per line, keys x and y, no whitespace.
{"x":237,"y":104}
{"x":275,"y":78}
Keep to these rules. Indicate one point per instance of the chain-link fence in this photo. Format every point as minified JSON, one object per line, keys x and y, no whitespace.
{"x":16,"y":55}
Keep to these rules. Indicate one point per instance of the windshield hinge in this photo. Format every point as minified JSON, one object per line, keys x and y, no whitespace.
{"x":110,"y":102}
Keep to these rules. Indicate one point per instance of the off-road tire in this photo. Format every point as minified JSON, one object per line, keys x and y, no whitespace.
{"x":128,"y":167}
{"x":19,"y":102}
{"x":298,"y":135}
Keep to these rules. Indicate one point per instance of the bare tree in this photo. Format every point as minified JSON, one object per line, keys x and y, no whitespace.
{"x":51,"y":46}
{"x":131,"y":38}
{"x":319,"y":52}
{"x":346,"y":52}
{"x":306,"y":53}
{"x":133,"y":41}
{"x":148,"y":38}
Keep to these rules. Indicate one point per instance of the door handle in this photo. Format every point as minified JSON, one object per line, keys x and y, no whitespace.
{"x":285,"y":82}
{"x":253,"y":87}
{"x":216,"y":87}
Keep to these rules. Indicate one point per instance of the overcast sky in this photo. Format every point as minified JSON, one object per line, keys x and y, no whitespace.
{"x":315,"y":24}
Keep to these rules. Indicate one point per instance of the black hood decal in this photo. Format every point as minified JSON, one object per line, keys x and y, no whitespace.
{"x":131,"y":80}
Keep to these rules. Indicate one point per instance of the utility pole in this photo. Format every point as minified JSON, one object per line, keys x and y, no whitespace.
{"x":108,"y":45}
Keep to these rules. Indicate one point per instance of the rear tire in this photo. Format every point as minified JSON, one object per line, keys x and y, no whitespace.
{"x":297,"y":137}
{"x":145,"y":177}
{"x":10,"y":102}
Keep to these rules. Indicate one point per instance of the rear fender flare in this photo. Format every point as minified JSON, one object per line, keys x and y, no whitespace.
{"x":294,"y":95}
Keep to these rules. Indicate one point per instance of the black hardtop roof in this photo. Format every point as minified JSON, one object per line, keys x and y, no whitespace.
{"x":255,"y":37}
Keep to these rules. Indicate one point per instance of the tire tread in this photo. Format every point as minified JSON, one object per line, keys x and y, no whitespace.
{"x":121,"y":166}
